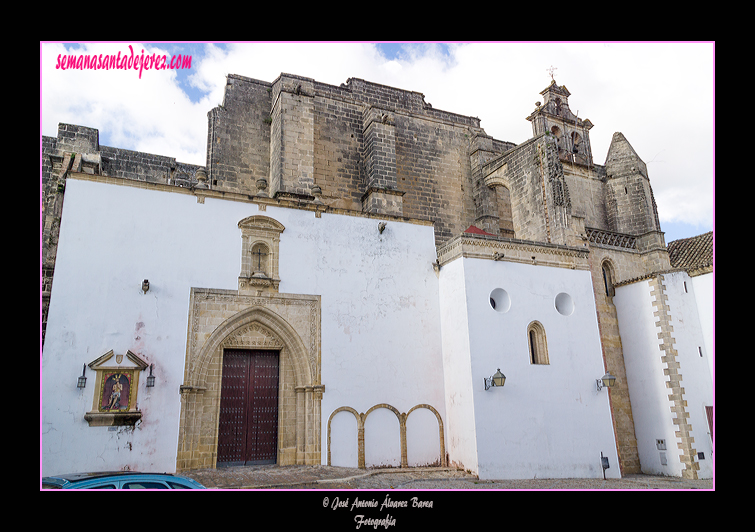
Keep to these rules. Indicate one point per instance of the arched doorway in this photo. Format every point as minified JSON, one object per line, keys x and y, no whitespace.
{"x":222,"y":322}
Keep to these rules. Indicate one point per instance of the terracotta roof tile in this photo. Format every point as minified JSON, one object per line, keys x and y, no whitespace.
{"x":693,"y":253}
{"x":476,"y":230}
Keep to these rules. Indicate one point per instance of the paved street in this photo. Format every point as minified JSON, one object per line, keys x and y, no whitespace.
{"x":340,"y":478}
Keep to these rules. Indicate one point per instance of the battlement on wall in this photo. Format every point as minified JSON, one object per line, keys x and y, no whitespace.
{"x":369,"y":93}
{"x":90,"y":157}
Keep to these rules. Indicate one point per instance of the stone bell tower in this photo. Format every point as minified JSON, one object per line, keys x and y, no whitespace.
{"x":571,"y":132}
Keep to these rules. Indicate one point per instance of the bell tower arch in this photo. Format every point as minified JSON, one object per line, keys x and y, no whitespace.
{"x":555,"y":117}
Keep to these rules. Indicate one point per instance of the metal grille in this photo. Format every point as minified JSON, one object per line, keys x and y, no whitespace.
{"x":248,"y":426}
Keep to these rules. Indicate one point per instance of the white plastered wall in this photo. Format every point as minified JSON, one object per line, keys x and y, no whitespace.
{"x":380,"y":340}
{"x":651,"y":408}
{"x":548,"y":421}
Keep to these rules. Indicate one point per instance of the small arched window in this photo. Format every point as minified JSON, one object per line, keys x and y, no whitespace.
{"x":608,"y":278}
{"x":556,"y":132}
{"x":538,"y":346}
{"x":576,"y":142}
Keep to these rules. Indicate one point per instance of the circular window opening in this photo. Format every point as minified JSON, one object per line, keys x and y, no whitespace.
{"x":499,"y":300}
{"x":564,"y":304}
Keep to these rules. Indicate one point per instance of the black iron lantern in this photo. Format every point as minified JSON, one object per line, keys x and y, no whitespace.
{"x":151,"y":378}
{"x":82,"y":382}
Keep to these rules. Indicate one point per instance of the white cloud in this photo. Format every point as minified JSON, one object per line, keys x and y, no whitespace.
{"x":659,"y":95}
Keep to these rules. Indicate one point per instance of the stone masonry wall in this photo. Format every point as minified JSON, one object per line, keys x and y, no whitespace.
{"x":587,"y":188}
{"x":335,"y":150}
{"x":433,"y":168}
{"x":539,"y":197}
{"x":338,"y":138}
{"x":238,"y":136}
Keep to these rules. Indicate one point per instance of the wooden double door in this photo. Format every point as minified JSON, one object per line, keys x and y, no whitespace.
{"x":248,"y":425}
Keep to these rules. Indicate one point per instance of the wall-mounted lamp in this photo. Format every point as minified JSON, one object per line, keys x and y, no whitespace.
{"x":606,"y":381}
{"x":151,"y":378}
{"x":145,"y":285}
{"x":495,"y":380}
{"x":82,"y":382}
{"x":381,"y":227}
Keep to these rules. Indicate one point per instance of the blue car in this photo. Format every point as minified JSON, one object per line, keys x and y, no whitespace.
{"x":120,"y":480}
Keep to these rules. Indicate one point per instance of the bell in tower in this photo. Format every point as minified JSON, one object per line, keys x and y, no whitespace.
{"x":572,"y":133}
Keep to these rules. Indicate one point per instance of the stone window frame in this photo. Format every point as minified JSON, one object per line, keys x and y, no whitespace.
{"x":255,"y":231}
{"x":537,"y":344}
{"x":608,"y":271}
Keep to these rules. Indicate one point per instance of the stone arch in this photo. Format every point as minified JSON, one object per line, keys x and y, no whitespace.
{"x":576,"y":142}
{"x":441,"y":438}
{"x":556,"y":132}
{"x":499,"y":181}
{"x":272,"y":322}
{"x":498,"y":177}
{"x":360,"y":433}
{"x":362,"y":418}
{"x":401,"y":425}
{"x":255,"y":326}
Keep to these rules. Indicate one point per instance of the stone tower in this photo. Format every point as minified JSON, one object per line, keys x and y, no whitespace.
{"x":630,"y":207}
{"x":571,"y":132}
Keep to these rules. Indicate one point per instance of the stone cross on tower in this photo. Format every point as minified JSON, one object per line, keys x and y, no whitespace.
{"x":551,"y":71}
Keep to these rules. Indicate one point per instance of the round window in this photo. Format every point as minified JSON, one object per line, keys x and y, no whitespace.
{"x":564,"y":304}
{"x":499,"y":300}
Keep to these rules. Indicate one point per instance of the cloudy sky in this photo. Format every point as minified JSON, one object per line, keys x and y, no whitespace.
{"x":659,"y":95}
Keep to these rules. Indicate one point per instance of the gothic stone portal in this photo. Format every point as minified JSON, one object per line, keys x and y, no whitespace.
{"x":222,"y":320}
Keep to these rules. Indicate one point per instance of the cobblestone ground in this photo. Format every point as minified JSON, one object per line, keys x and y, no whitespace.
{"x":339,"y":478}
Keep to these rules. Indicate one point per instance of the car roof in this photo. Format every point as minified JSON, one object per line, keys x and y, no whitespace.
{"x":78,"y":477}
{"x":69,"y":479}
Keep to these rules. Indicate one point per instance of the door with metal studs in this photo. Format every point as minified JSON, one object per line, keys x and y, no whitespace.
{"x":248,"y":425}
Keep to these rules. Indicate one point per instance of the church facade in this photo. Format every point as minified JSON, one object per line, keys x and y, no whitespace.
{"x":358,"y":279}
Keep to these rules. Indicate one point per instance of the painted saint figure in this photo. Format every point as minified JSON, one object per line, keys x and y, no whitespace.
{"x":115,"y":386}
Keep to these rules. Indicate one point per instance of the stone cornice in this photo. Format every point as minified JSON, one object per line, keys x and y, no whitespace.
{"x":263,"y":202}
{"x":513,"y":250}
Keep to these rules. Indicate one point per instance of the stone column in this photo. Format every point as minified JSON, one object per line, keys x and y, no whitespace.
{"x":301,"y":424}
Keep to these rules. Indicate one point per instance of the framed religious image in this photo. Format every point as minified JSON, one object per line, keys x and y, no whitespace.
{"x":116,"y":390}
